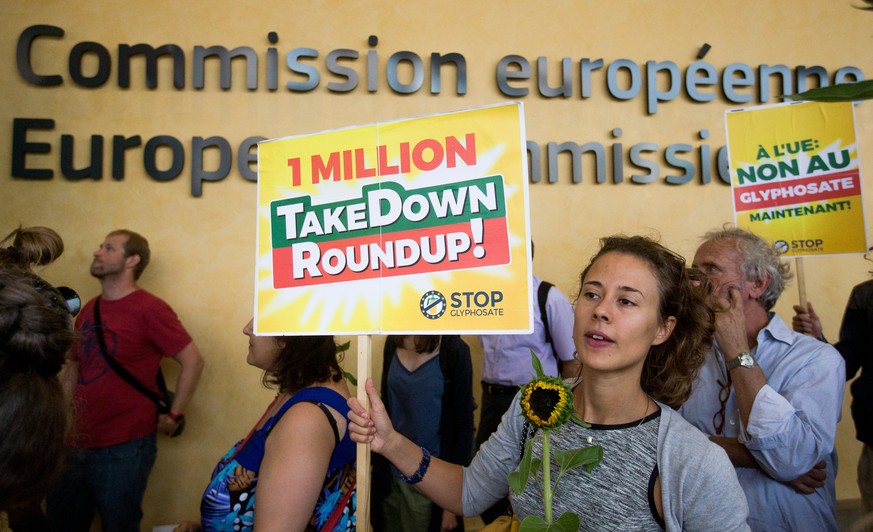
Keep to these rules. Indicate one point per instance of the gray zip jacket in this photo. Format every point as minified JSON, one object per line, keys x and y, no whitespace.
{"x":699,"y":486}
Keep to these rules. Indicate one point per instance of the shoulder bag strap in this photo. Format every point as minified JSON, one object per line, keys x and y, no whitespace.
{"x":542,"y":298}
{"x":339,"y":509}
{"x":115,"y":365}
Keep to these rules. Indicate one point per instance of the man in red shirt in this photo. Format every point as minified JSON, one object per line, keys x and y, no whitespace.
{"x":115,"y":426}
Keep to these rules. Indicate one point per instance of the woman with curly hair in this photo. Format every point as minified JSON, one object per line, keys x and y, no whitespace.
{"x":295,"y":470}
{"x":642,"y":328}
{"x":35,"y":334}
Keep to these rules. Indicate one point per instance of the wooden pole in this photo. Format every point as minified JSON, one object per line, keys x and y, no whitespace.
{"x":362,"y":516}
{"x":801,"y":280}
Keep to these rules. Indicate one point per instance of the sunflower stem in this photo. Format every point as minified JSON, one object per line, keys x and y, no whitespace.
{"x":547,"y":483}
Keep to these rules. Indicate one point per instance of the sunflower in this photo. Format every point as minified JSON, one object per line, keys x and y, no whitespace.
{"x":547,"y":402}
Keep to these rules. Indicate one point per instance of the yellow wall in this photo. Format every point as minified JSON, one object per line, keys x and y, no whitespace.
{"x":204,"y":247}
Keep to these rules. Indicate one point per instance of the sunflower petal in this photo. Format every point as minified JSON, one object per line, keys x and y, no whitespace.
{"x":547,"y":402}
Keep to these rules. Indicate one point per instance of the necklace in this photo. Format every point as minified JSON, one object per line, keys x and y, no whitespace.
{"x":590,"y":439}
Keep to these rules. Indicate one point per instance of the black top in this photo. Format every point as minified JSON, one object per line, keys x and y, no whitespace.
{"x":856,"y":346}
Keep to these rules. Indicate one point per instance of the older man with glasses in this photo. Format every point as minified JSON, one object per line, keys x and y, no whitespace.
{"x":769,"y":396}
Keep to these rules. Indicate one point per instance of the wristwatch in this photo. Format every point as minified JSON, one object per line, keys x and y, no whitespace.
{"x":744,"y":359}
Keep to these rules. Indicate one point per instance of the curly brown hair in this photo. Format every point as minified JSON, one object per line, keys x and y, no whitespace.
{"x":671,"y":366}
{"x":303,"y":361}
{"x":35,"y":420}
{"x":35,"y":326}
{"x":27,"y":246}
{"x":35,"y":333}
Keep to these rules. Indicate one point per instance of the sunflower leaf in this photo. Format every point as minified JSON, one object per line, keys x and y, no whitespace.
{"x":538,"y":367}
{"x":841,"y":92}
{"x":569,"y":522}
{"x":341,"y":349}
{"x":349,"y":377}
{"x":586,"y":456}
{"x":534,"y":522}
{"x":518,"y":478}
{"x":580,"y":422}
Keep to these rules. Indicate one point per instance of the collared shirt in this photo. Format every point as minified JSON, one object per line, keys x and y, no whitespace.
{"x":507,"y":356}
{"x":792,"y":425}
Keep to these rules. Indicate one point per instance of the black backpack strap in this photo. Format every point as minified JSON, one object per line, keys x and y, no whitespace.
{"x":118,"y":368}
{"x":542,"y":298}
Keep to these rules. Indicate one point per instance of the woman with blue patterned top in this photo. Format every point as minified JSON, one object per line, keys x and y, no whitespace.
{"x":296,"y":468}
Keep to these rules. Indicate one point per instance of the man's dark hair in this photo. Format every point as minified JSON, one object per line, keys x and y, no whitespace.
{"x":136,"y":245}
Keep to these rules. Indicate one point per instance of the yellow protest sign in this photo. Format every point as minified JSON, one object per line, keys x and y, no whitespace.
{"x":415,"y":225}
{"x":796,"y":178}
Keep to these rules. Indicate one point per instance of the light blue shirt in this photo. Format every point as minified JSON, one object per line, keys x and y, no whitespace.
{"x":792,"y":426}
{"x":506,"y":358}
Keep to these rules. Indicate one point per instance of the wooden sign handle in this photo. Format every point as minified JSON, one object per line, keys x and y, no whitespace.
{"x":362,"y":516}
{"x":801,"y":280}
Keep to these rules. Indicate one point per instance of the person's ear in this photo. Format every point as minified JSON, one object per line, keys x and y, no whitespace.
{"x":759,"y":286}
{"x":132,"y":261}
{"x":665,"y":330}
